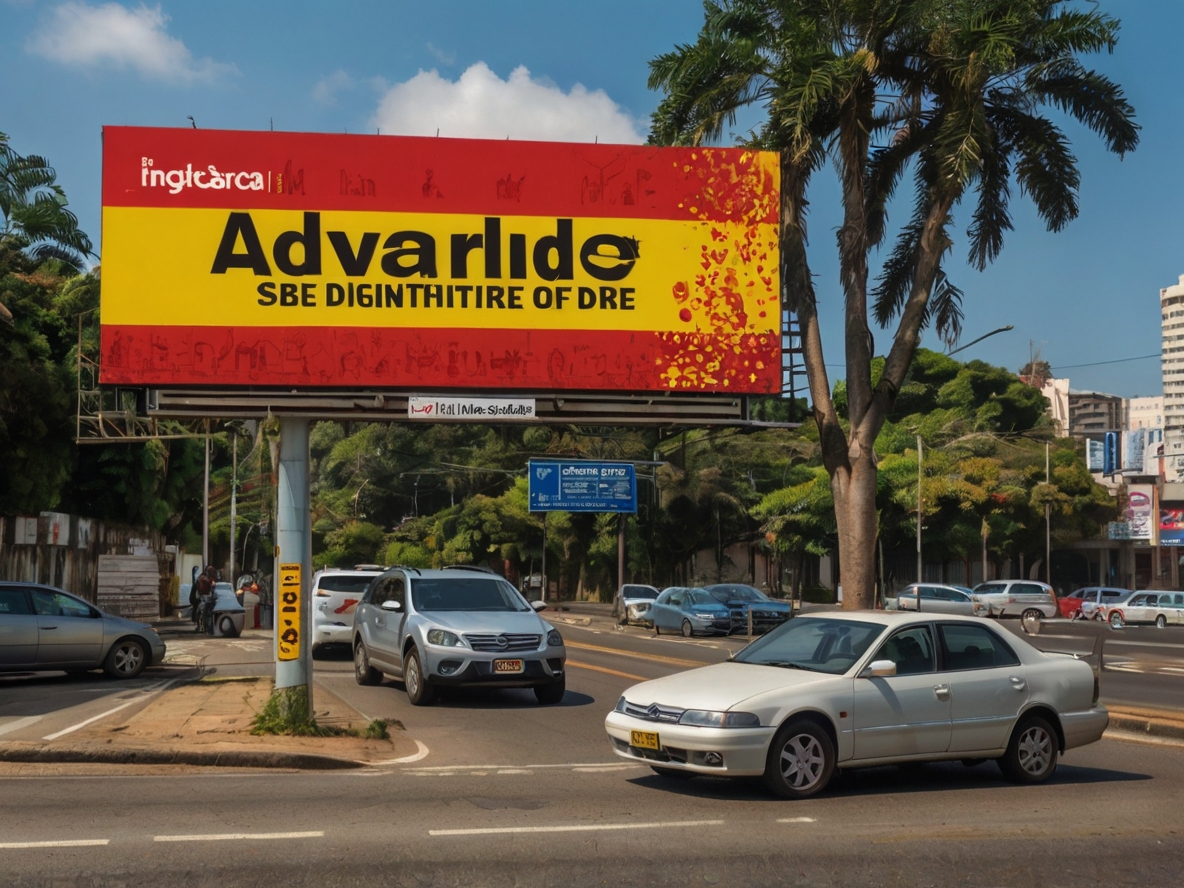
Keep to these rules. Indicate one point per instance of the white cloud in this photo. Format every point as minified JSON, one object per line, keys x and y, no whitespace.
{"x":481,"y":105}
{"x":444,"y":58}
{"x":327,"y":88}
{"x":112,"y":34}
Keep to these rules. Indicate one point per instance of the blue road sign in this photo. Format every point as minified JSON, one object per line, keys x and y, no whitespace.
{"x":557,"y":486}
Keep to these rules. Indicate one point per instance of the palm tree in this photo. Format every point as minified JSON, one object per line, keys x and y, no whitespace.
{"x":33,"y":214}
{"x":957,"y":88}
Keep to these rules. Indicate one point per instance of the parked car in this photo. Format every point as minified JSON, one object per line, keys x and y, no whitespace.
{"x":740,"y":599}
{"x":1017,"y":598}
{"x":691,"y":612}
{"x":937,"y":598}
{"x":1082,"y":604}
{"x":44,"y":628}
{"x":1160,"y":608}
{"x":335,"y":595}
{"x":632,"y":603}
{"x":459,"y":626}
{"x":846,"y":690}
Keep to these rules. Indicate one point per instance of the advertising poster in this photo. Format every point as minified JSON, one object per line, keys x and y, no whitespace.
{"x":1139,"y":514}
{"x":322,"y":260}
{"x":1171,"y":524}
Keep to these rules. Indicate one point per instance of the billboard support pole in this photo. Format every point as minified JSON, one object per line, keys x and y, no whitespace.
{"x":293,"y":666}
{"x":543,"y":597}
{"x":621,"y":551}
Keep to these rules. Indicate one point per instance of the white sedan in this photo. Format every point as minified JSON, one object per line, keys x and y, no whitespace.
{"x":846,"y":690}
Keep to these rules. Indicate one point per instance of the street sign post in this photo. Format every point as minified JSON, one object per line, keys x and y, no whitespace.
{"x":582,"y":486}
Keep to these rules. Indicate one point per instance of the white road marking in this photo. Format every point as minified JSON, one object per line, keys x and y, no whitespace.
{"x":231,"y":837}
{"x":450,"y":769}
{"x":590,"y":827}
{"x":152,"y":691}
{"x":510,"y":771}
{"x":19,"y":723}
{"x":69,"y":843}
{"x":796,"y":820}
{"x":420,"y":753}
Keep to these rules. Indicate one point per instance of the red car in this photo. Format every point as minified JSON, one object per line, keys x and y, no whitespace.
{"x":1070,"y":605}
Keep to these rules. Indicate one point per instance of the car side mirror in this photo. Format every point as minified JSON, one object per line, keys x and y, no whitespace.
{"x":879,"y":669}
{"x":539,"y":605}
{"x":391,"y":605}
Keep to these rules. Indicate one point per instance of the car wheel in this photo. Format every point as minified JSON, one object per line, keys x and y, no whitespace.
{"x":1161,"y":622}
{"x":419,"y":692}
{"x":364,"y":673}
{"x":1031,"y":755}
{"x":687,"y":629}
{"x":671,"y":773}
{"x":227,"y":628}
{"x":1031,"y":615}
{"x":1116,"y":621}
{"x":550,"y":694}
{"x":126,"y":659}
{"x":800,"y":762}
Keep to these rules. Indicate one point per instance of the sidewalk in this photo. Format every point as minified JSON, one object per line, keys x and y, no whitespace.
{"x":208,"y":722}
{"x":1167,"y":724}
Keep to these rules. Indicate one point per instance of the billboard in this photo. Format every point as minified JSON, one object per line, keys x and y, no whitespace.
{"x":1171,"y":524}
{"x":581,"y":486}
{"x":1140,"y":510}
{"x":316,"y":260}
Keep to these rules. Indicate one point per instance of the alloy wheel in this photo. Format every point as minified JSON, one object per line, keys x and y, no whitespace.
{"x":802,"y":761}
{"x":1035,"y":750}
{"x":128,"y":658}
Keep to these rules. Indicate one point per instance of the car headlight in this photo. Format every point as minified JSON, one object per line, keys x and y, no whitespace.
{"x":703,"y":718}
{"x":444,"y":638}
{"x":554,"y":639}
{"x":704,"y":616}
{"x":620,"y":707}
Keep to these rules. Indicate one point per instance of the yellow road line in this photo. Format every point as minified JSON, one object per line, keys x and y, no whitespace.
{"x":607,"y":671}
{"x":654,"y":657}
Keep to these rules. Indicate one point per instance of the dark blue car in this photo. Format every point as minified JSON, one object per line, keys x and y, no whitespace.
{"x":740,"y":599}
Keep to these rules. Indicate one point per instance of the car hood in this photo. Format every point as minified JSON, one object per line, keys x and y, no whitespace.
{"x":523,"y":622}
{"x":760,"y":605}
{"x":123,"y":624}
{"x":721,"y":687}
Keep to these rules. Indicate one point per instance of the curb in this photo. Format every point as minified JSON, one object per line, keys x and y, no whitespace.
{"x":224,"y":759}
{"x":1167,"y":725}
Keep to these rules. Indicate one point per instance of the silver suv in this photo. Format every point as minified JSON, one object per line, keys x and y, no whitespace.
{"x":1018,"y":598}
{"x":460,"y":627}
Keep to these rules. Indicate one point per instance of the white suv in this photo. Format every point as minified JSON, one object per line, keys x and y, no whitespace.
{"x":336,"y":592}
{"x":1018,"y":598}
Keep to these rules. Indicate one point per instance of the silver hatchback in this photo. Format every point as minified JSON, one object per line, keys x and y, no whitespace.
{"x":1018,"y":598}
{"x":459,"y":627}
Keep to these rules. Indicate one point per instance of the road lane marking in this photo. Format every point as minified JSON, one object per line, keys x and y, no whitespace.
{"x":230,"y":837}
{"x":796,"y":820}
{"x":572,"y":765}
{"x":420,"y":753}
{"x":606,"y":670}
{"x":19,"y":723}
{"x":69,"y":843}
{"x":82,"y":724}
{"x":635,"y":654}
{"x":590,"y":827}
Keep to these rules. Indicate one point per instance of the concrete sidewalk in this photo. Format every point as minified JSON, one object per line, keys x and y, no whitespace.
{"x":1167,"y":724}
{"x":208,"y":722}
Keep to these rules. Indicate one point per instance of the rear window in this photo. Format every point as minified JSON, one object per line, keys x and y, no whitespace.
{"x":356,"y":583}
{"x":639,"y":592}
{"x":990,"y":588}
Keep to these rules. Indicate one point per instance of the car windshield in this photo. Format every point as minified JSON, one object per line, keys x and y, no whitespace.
{"x":698,"y":596}
{"x":814,"y":643}
{"x":640,"y":592}
{"x":736,"y":593}
{"x":968,"y":591}
{"x":344,"y":582}
{"x":466,"y":594}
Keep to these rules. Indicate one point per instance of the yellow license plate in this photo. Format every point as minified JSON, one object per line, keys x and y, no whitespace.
{"x":507,"y":667}
{"x":644,"y":740}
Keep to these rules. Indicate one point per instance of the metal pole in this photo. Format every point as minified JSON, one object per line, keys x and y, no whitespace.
{"x":205,"y":511}
{"x":1047,"y":525}
{"x":919,"y":578}
{"x":293,"y":537}
{"x":621,"y":551}
{"x":544,"y":567}
{"x":233,"y":504}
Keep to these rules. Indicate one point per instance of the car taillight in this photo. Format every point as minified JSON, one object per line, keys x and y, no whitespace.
{"x":321,"y":593}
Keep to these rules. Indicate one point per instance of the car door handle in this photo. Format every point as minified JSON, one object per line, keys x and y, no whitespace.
{"x":379,"y":621}
{"x":942,"y":691}
{"x":1018,"y":683}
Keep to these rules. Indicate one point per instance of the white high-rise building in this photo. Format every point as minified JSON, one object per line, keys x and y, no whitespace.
{"x":1171,"y":303}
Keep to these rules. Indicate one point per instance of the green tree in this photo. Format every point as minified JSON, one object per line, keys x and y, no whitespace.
{"x":956,"y":89}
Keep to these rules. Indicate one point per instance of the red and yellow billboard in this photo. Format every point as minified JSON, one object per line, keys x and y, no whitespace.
{"x":313,"y":260}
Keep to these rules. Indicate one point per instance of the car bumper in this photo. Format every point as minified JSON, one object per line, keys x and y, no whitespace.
{"x":457,"y":667}
{"x":1081,"y":728}
{"x":328,"y":633}
{"x":638,"y":613}
{"x":159,"y":649}
{"x":683,"y":748}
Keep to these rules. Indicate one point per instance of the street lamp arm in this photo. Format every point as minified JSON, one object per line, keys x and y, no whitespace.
{"x":980,"y":339}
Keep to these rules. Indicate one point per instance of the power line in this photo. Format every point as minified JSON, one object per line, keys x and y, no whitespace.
{"x":1100,"y":363}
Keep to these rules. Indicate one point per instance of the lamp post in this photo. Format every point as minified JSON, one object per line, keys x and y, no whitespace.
{"x":980,"y":339}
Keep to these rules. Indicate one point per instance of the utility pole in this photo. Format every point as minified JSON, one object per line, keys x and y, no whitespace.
{"x":919,"y":578}
{"x":293,"y":569}
{"x":233,"y":500}
{"x":1047,"y":523}
{"x":205,"y":510}
{"x":621,"y":551}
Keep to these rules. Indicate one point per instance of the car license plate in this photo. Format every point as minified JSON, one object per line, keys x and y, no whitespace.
{"x":644,"y":740}
{"x":507,"y":667}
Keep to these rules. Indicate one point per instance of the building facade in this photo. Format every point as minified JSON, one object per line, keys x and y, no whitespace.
{"x":1171,"y":303}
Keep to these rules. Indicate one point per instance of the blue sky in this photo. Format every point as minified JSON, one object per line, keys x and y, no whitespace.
{"x":577,"y":71}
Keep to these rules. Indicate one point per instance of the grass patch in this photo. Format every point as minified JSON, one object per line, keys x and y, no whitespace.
{"x":286,"y":712}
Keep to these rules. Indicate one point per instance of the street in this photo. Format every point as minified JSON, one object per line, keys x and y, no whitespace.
{"x":507,"y":792}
